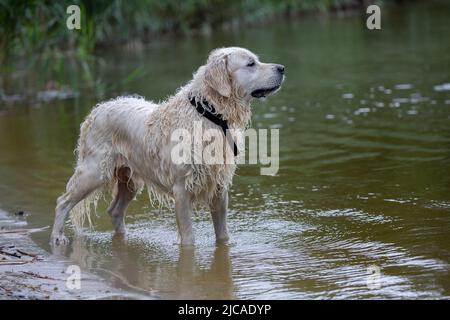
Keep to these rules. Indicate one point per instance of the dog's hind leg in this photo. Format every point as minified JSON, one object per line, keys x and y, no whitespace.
{"x":126,"y":191}
{"x":84,"y":181}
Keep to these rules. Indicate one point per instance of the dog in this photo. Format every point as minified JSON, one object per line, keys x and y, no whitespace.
{"x":126,"y":144}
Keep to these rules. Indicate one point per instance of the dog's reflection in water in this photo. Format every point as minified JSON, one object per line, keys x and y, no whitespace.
{"x":145,"y":270}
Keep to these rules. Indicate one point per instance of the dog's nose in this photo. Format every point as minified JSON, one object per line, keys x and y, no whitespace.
{"x":280,"y":68}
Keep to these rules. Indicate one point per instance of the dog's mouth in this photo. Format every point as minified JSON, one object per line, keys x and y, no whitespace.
{"x":260,"y":93}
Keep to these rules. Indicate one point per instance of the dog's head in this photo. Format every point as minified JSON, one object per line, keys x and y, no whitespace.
{"x":237,"y":71}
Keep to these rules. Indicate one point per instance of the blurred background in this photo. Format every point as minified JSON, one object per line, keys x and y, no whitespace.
{"x":364,"y":118}
{"x":34,"y":33}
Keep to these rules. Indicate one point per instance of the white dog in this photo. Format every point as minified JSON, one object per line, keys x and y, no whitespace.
{"x":126,"y":143}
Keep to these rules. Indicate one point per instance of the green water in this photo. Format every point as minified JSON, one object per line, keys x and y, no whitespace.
{"x":364,"y":179}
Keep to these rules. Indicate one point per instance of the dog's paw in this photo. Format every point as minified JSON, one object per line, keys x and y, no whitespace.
{"x":186,"y":241}
{"x":59,"y":239}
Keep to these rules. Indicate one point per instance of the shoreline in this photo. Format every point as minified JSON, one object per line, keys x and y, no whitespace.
{"x":29,"y":272}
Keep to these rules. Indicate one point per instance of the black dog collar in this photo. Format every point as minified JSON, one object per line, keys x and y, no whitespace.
{"x":210,"y":113}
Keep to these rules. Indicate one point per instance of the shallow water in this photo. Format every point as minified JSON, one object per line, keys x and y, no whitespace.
{"x":364,"y":180}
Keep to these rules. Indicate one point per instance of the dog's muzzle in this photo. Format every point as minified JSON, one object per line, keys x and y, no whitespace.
{"x":263,"y":92}
{"x":260,"y":93}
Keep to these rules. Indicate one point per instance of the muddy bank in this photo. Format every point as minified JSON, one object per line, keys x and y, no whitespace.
{"x":28,"y":272}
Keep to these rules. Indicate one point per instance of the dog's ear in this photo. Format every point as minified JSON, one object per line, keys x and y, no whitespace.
{"x":217,"y":76}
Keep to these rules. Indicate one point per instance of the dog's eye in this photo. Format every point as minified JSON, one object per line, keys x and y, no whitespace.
{"x":251,"y":64}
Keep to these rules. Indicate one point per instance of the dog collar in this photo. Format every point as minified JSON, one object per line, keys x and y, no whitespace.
{"x":210,"y":113}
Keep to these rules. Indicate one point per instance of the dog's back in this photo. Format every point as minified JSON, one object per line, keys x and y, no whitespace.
{"x":111,"y":122}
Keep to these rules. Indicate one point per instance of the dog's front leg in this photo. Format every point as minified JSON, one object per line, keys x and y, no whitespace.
{"x":219,"y":207}
{"x":183,"y":209}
